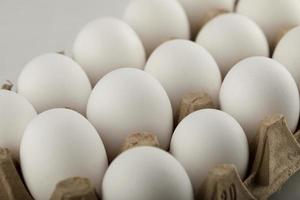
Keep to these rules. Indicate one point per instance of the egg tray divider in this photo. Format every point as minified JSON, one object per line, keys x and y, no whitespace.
{"x":275,"y":157}
{"x":276,"y":153}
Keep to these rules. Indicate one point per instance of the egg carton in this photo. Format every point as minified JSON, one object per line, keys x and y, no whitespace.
{"x":274,"y":158}
{"x":12,"y":187}
{"x":274,"y":154}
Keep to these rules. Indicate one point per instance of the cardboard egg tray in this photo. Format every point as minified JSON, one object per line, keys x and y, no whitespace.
{"x":274,"y":158}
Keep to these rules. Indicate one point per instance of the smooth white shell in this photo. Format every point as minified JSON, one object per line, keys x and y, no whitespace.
{"x":146,"y":173}
{"x":231,"y":38}
{"x":106,"y":44}
{"x":157,"y":21}
{"x":273,"y":17}
{"x":199,"y":10}
{"x":15,"y":114}
{"x":59,"y":144}
{"x":287,"y":53}
{"x":54,"y":81}
{"x":183,"y":67}
{"x":128,"y":101}
{"x":207,"y":138}
{"x":256,"y":88}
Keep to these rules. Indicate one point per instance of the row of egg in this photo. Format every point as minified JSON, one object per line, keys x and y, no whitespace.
{"x":60,"y":143}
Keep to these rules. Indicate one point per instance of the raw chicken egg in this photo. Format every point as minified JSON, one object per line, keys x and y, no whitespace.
{"x":157,"y":21}
{"x":15,"y":114}
{"x":287,"y":53}
{"x":232,"y":37}
{"x":207,"y":138}
{"x":198,"y":11}
{"x":128,"y":101}
{"x":54,"y":81}
{"x":106,"y":44}
{"x":256,"y":88}
{"x":60,"y":144}
{"x":146,"y":173}
{"x":184,"y":67}
{"x":274,"y":17}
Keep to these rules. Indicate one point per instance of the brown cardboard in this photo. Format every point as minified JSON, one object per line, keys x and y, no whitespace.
{"x":140,"y":139}
{"x":277,"y":158}
{"x":224,"y":183}
{"x":62,"y":52}
{"x":235,"y":5}
{"x":7,"y":86}
{"x":11,"y":185}
{"x":74,"y":189}
{"x":193,"y":102}
{"x":297,"y":136}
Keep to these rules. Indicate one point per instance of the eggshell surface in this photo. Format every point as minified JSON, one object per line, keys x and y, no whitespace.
{"x":257,"y":88}
{"x":232,"y":37}
{"x":157,"y":21}
{"x":128,"y":101}
{"x":198,"y":11}
{"x":15,"y":114}
{"x":184,"y":67}
{"x":207,"y":138}
{"x":274,"y":17}
{"x":146,"y":173}
{"x":106,"y":44}
{"x":54,"y":81}
{"x":60,"y":144}
{"x":287,"y":53}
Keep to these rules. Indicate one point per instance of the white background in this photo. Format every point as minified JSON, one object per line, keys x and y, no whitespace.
{"x":29,"y":28}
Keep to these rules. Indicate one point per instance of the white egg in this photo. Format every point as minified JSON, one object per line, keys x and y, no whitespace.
{"x":157,"y":21}
{"x":128,"y":101}
{"x":290,"y":189}
{"x":287,"y":53}
{"x":256,"y":88}
{"x":146,"y":173}
{"x":54,"y":81}
{"x":231,"y":38}
{"x":273,"y":17}
{"x":59,"y":144}
{"x":107,"y":44}
{"x":183,"y":67}
{"x":207,"y":138}
{"x":15,"y":114}
{"x":198,"y":11}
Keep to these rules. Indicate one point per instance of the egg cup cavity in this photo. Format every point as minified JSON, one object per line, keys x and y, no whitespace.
{"x":193,"y":102}
{"x":140,"y":139}
{"x":223,"y":182}
{"x":7,"y":86}
{"x":11,"y":185}
{"x":277,"y":157}
{"x":74,"y":188}
{"x":276,"y":153}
